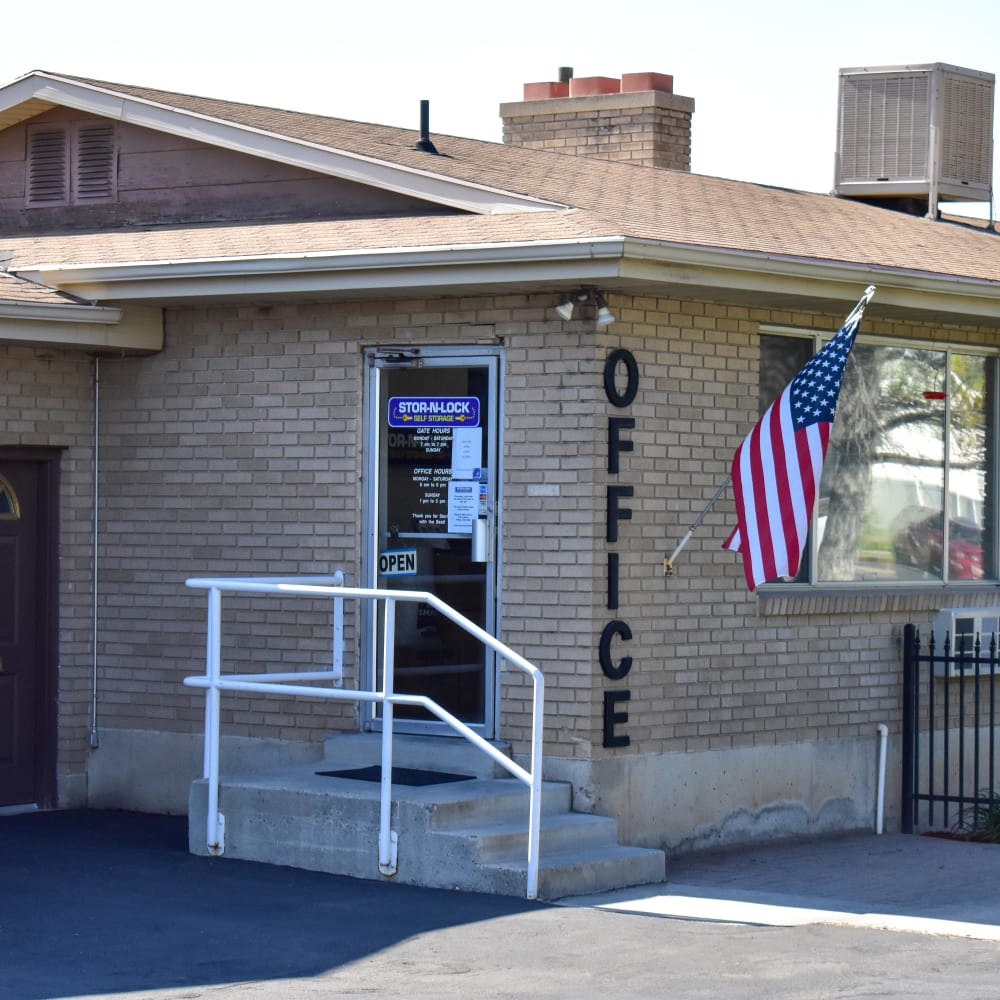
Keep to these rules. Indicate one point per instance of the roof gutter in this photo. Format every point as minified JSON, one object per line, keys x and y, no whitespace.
{"x":58,"y":313}
{"x":650,"y":266}
{"x":837,"y":281}
{"x":405,"y":268}
{"x":133,"y":330}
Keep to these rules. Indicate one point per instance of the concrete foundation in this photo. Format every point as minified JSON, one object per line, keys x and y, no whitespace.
{"x":674,"y":802}
{"x":694,"y":801}
{"x":152,"y":772}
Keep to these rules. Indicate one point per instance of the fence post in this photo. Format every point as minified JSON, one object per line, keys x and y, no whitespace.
{"x":910,"y":644}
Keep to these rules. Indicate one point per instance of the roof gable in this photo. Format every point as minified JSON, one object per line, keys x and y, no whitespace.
{"x":367,"y":154}
{"x":67,"y":171}
{"x":622,"y":225}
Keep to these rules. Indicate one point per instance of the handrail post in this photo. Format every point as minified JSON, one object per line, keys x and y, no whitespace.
{"x":338,"y":642}
{"x":535,"y":795}
{"x":215,"y":832}
{"x":387,"y":844}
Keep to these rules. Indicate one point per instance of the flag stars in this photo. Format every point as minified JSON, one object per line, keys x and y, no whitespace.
{"x":770,"y":533}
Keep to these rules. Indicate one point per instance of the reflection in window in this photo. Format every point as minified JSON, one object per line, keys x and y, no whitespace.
{"x":908,"y":490}
{"x":9,"y":508}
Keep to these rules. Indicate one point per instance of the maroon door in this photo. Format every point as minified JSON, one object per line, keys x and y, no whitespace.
{"x":26,"y":644}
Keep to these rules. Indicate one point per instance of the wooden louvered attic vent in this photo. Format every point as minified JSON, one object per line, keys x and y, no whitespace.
{"x":94,"y":173}
{"x":48,"y":165}
{"x":75,"y":164}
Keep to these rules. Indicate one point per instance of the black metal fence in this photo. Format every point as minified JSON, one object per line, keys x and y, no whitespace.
{"x":949,"y":752}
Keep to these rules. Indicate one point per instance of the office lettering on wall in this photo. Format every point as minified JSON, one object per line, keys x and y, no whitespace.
{"x":617,"y":631}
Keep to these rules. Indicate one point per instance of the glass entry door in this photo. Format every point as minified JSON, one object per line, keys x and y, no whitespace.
{"x":433,"y":470}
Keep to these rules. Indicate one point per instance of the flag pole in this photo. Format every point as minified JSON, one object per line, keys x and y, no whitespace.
{"x":668,"y":561}
{"x":860,"y":307}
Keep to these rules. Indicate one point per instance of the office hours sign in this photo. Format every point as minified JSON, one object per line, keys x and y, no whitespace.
{"x":435,"y":449}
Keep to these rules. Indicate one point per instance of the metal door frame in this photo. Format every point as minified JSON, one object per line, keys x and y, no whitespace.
{"x":376,"y":360}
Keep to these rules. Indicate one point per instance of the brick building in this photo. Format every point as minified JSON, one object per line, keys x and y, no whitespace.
{"x":206,"y":310}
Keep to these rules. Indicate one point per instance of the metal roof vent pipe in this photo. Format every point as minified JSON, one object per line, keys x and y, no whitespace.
{"x":424,"y":142}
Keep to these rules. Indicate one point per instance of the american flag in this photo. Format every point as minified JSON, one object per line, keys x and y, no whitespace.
{"x":776,"y":470}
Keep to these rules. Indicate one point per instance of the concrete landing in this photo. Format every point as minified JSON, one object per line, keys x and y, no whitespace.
{"x":470,"y":835}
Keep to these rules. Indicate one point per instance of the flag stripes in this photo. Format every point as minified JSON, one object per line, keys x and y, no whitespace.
{"x":777,"y":469}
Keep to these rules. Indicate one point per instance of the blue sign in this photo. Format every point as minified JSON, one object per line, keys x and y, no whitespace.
{"x":433,"y":411}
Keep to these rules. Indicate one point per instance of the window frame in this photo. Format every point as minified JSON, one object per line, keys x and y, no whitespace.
{"x":991,"y":514}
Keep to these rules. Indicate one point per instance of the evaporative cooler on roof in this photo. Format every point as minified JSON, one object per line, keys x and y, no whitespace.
{"x":922,"y":132}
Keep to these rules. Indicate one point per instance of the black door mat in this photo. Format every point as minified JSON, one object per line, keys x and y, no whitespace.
{"x":400,"y":775}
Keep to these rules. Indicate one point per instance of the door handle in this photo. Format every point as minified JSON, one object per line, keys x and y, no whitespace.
{"x":480,"y":540}
{"x":484,"y":538}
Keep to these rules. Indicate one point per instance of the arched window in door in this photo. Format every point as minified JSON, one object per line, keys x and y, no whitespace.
{"x":10,"y":510}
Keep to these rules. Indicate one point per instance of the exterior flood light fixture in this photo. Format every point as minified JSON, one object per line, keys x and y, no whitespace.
{"x":604,"y":314}
{"x":566,"y":308}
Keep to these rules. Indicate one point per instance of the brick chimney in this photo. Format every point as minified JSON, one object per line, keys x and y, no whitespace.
{"x":637,"y":118}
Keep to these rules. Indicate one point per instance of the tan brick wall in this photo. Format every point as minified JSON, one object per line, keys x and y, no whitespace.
{"x":649,"y":128}
{"x":236,"y":451}
{"x":715,"y":667}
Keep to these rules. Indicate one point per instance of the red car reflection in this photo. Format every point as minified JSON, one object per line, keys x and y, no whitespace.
{"x":919,"y":544}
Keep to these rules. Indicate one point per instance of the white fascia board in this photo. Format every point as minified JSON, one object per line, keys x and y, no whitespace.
{"x":137,"y":330}
{"x":755,"y":272}
{"x":604,"y":259}
{"x":53,"y":313}
{"x":349,"y":271}
{"x":356,"y":283}
{"x":422,"y":184}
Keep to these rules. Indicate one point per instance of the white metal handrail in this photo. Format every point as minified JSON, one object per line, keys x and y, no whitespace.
{"x":292,"y":684}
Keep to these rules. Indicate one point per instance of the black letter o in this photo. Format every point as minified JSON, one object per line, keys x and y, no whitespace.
{"x":632,"y":369}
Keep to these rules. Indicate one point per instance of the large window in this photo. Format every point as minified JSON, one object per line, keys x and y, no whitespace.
{"x":908,"y":492}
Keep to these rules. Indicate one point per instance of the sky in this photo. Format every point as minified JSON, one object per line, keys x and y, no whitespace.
{"x":764,"y":76}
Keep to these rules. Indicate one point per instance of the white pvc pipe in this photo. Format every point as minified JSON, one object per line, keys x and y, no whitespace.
{"x":883,"y":732}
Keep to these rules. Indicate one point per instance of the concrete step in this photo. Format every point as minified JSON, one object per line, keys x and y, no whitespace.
{"x":469,"y":835}
{"x":428,"y":753}
{"x":581,"y":872}
{"x":559,"y":832}
{"x":492,"y":801}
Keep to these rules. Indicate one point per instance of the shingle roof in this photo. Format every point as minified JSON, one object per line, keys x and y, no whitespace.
{"x":17,"y":290}
{"x":603,"y":199}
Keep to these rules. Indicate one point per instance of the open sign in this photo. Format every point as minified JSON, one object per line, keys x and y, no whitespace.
{"x":398,"y":562}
